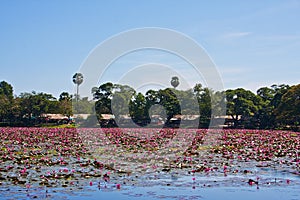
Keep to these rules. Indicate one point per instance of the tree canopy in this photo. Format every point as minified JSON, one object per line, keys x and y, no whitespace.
{"x":274,"y":107}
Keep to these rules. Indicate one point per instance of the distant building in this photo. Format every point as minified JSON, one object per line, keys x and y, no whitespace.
{"x":54,"y":118}
{"x":80,"y":116}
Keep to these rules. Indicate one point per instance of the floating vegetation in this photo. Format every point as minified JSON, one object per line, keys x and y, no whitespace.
{"x":118,"y":158}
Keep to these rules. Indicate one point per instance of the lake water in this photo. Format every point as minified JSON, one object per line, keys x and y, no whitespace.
{"x":170,"y":186}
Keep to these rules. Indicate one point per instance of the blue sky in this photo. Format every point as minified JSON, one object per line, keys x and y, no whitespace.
{"x":252,"y":43}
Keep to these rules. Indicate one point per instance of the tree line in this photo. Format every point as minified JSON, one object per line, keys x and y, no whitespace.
{"x":274,"y":107}
{"x":27,"y":108}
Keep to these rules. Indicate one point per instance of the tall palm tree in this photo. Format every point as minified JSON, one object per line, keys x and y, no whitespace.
{"x":77,"y":79}
{"x":175,"y":81}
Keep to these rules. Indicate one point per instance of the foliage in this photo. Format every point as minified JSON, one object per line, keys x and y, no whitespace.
{"x":203,"y":96}
{"x":65,"y":104}
{"x":82,"y":106}
{"x":274,"y":107}
{"x":34,"y":104}
{"x":138,"y":111}
{"x":175,"y":81}
{"x":242,"y":105}
{"x":6,"y":100}
{"x":271,"y":98}
{"x":77,"y":78}
{"x":103,"y":95}
{"x":288,"y":110}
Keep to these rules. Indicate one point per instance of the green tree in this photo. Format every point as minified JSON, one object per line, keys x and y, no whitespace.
{"x":203,"y":96}
{"x":188,"y":102}
{"x":6,"y":101}
{"x":121,"y":97}
{"x":103,"y":96}
{"x":34,"y":104}
{"x":271,"y":99}
{"x":218,"y":102}
{"x":168,"y":99}
{"x":16,"y":110}
{"x":65,"y":104}
{"x":242,"y":106}
{"x":6,"y":89}
{"x":280,"y":90}
{"x":288,"y":110}
{"x":265,"y":114}
{"x":138,"y":110}
{"x":82,"y":105}
{"x":152,"y":98}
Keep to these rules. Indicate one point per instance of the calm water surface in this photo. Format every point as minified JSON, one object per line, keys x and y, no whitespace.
{"x":171,"y":186}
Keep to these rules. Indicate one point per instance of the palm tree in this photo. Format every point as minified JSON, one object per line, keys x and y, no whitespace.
{"x":77,"y":79}
{"x":175,"y":81}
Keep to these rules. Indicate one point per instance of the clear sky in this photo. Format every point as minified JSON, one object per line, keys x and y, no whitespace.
{"x":253,"y":43}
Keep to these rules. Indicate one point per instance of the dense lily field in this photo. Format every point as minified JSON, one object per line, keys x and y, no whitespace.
{"x":75,"y":158}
